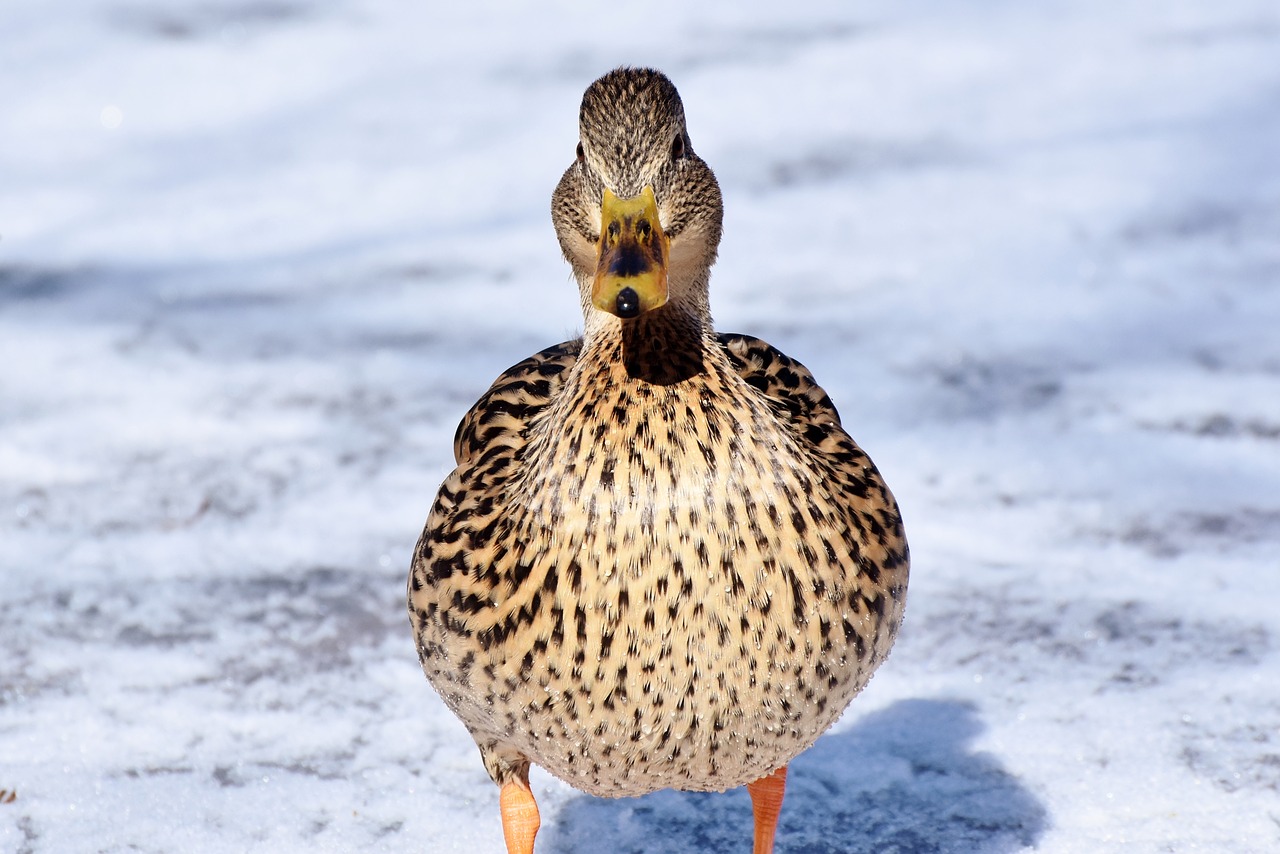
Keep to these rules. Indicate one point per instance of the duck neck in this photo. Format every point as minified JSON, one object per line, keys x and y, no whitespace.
{"x":662,"y":347}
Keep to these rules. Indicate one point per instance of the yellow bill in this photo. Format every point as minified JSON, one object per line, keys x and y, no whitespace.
{"x":631,"y":273}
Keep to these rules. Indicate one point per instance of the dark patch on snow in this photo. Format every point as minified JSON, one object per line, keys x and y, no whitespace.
{"x":227,"y":777}
{"x":1222,"y":426}
{"x":1204,"y":220}
{"x":18,"y":284}
{"x":1235,"y":748}
{"x":793,"y":36}
{"x":1180,"y":533}
{"x":1114,"y":645}
{"x":30,"y":836}
{"x":289,"y":627}
{"x":862,"y":158}
{"x":1260,"y":29}
{"x":222,"y":20}
{"x":973,"y":387}
{"x":333,"y":767}
{"x":157,"y":771}
{"x":140,"y":635}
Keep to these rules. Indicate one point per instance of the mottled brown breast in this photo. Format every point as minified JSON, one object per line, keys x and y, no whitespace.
{"x":639,"y":585}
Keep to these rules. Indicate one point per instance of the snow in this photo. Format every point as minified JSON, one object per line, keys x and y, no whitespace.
{"x":258,"y":256}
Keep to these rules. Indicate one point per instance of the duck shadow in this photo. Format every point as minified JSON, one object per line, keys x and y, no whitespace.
{"x":899,"y":781}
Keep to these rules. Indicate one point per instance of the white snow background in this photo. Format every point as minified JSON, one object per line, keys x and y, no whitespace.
{"x":257,"y":257}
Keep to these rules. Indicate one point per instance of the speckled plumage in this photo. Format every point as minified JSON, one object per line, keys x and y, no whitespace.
{"x":660,"y":561}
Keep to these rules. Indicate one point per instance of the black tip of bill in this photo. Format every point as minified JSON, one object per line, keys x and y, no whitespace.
{"x":628,"y":304}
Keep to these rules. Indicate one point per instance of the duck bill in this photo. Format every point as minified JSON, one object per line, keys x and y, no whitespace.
{"x":631,"y":272}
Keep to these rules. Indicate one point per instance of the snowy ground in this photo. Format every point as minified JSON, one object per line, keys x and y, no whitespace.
{"x":258,"y":256}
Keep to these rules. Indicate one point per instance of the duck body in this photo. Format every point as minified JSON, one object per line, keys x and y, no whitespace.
{"x":682,"y":585}
{"x":661,"y":562}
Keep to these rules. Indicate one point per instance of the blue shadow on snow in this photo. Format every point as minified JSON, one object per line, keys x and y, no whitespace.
{"x":900,"y":781}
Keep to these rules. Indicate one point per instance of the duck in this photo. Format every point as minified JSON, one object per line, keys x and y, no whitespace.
{"x":660,"y":562}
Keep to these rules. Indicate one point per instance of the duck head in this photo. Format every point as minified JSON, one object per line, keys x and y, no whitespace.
{"x":638,"y":213}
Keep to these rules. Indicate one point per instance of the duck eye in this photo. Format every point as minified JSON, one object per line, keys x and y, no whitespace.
{"x":677,"y":147}
{"x":581,"y":154}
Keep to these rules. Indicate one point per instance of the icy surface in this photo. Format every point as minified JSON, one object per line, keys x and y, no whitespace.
{"x":258,"y":256}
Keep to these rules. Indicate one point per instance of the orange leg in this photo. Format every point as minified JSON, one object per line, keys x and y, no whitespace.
{"x":520,"y":821}
{"x":766,"y":803}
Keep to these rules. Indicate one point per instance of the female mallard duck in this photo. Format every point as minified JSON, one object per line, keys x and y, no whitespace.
{"x":660,"y":562}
